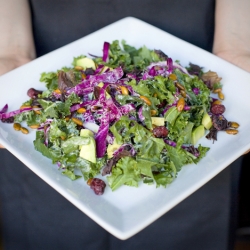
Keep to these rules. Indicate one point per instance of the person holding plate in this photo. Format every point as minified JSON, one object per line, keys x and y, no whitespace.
{"x":34,"y":216}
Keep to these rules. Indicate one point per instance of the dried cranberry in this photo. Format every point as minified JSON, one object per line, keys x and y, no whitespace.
{"x":162,"y":104}
{"x":89,"y":71}
{"x":33,"y":93}
{"x":218,"y":109}
{"x":98,"y":186}
{"x":160,"y":132}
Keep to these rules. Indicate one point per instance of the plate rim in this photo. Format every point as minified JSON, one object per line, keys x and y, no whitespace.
{"x":118,"y":232}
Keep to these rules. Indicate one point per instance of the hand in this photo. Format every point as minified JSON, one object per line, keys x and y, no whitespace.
{"x":239,"y":58}
{"x":232,"y":34}
{"x":8,"y":64}
{"x":16,"y":40}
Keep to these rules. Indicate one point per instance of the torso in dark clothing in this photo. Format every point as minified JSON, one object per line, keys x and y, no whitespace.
{"x":36,"y":217}
{"x":59,"y":22}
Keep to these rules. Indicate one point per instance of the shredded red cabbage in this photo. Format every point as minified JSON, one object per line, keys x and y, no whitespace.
{"x":170,"y":143}
{"x":4,"y":109}
{"x":87,"y":86}
{"x":170,"y":65}
{"x":100,"y":139}
{"x":140,"y":115}
{"x":125,"y":109}
{"x":13,"y":113}
{"x":105,"y":57}
{"x":196,"y":91}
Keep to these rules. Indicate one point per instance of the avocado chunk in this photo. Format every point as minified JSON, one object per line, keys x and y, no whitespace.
{"x":207,"y":121}
{"x":86,"y":133}
{"x":88,"y":151}
{"x":112,"y":148}
{"x":104,"y":69}
{"x":158,"y":121}
{"x":197,"y":134}
{"x":86,"y":63}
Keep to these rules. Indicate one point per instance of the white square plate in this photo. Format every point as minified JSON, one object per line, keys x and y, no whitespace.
{"x":128,"y":210}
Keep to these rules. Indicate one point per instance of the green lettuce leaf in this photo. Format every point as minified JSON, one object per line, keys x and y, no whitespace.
{"x":30,"y":117}
{"x":145,"y":166}
{"x":126,"y":172}
{"x":166,"y":174}
{"x":151,"y":148}
{"x":179,"y":125}
{"x":202,"y":150}
{"x":76,"y":59}
{"x":146,"y":111}
{"x":185,"y":136}
{"x":121,"y":128}
{"x":171,"y":115}
{"x":73,"y":143}
{"x":70,"y":174}
{"x":138,"y":132}
{"x":87,"y":168}
{"x":50,"y":79}
{"x":179,"y":157}
{"x":53,"y":153}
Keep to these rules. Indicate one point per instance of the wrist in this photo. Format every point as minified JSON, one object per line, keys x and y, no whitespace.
{"x":9,"y":63}
{"x":240,"y":58}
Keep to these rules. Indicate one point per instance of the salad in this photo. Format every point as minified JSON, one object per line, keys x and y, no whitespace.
{"x":130,"y":115}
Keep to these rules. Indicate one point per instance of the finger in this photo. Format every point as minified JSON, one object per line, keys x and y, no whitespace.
{"x":247,"y":152}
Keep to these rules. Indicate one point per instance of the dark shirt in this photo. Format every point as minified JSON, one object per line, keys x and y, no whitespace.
{"x":59,"y":22}
{"x":34,"y":216}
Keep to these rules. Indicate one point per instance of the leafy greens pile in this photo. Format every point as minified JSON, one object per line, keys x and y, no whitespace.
{"x":122,"y":97}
